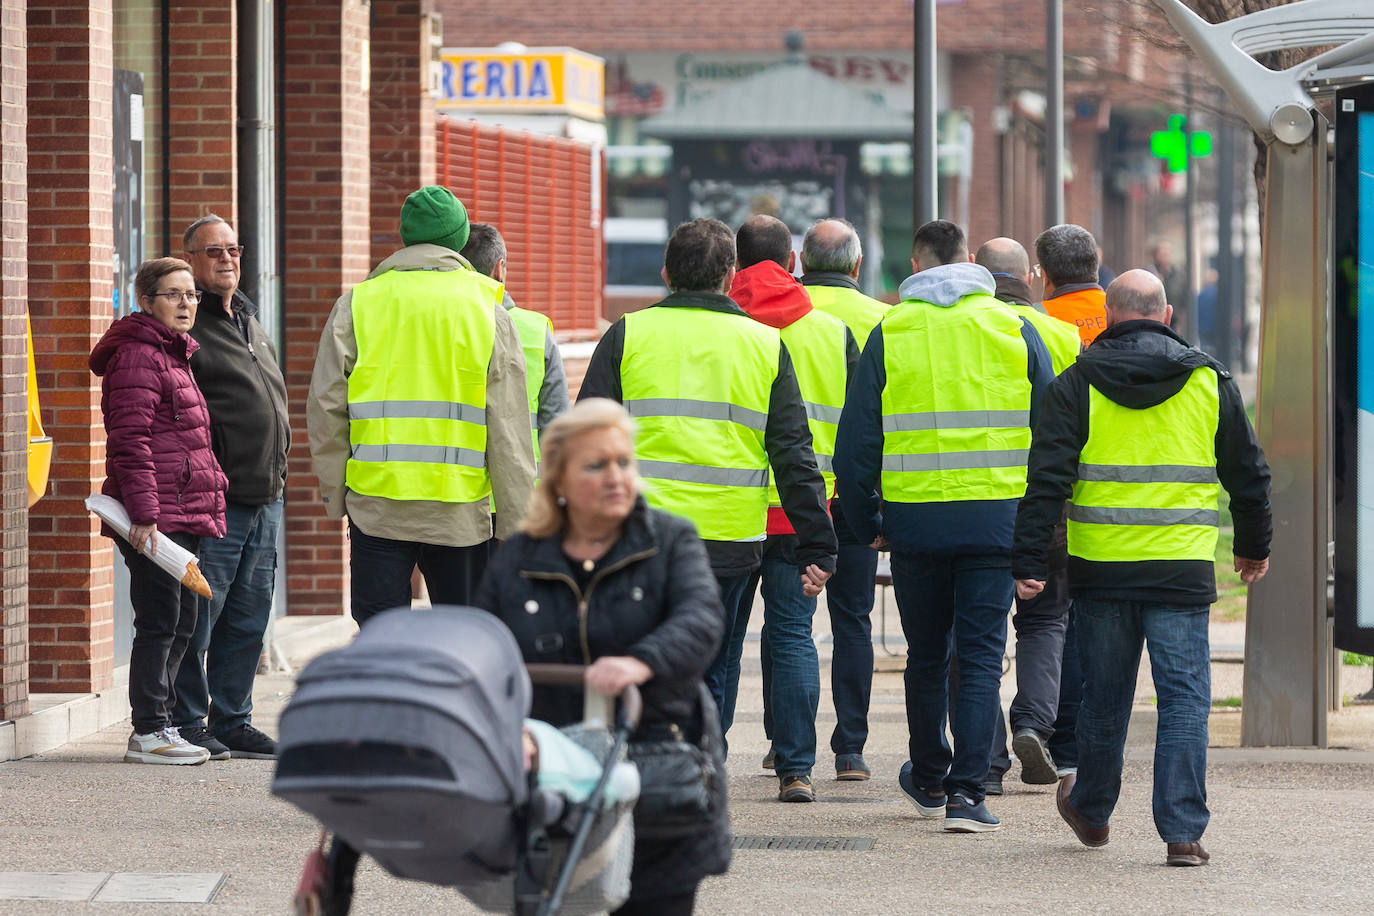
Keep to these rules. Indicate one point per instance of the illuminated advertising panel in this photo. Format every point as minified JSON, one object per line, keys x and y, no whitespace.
{"x":532,"y":81}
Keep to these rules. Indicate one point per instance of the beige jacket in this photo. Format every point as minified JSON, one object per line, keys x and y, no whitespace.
{"x":510,"y":455}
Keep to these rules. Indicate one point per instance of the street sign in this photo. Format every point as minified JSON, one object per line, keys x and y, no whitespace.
{"x":528,"y":81}
{"x":1176,"y":145}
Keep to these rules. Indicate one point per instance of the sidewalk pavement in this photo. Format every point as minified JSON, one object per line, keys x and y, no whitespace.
{"x":1288,"y":831}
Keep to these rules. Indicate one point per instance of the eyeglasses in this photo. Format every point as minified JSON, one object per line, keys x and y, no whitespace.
{"x":1035,"y":269}
{"x":215,"y":252}
{"x":172,"y":295}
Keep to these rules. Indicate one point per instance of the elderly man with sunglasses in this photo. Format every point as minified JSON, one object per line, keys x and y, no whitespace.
{"x":236,"y":369}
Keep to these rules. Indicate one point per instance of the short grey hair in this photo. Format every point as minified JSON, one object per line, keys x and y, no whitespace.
{"x":485,"y":248}
{"x":838,"y":252}
{"x":1067,"y":254}
{"x":191,"y":230}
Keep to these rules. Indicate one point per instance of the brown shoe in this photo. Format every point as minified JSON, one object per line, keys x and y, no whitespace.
{"x":1187,"y":854}
{"x":796,"y":788}
{"x":1088,"y":836}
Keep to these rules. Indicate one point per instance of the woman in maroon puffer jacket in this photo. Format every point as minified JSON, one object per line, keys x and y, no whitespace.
{"x":159,"y":464}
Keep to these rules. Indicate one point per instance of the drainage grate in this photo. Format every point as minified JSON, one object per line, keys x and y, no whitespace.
{"x":857,"y":800}
{"x":807,"y":843}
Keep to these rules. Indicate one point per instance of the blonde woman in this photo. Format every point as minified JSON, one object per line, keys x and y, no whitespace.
{"x":597,"y":578}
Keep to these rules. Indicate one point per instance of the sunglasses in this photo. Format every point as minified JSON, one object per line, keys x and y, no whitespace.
{"x":215,"y":252}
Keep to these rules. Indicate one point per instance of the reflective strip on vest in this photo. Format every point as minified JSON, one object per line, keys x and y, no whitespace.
{"x":859,"y":312}
{"x":816,"y":344}
{"x":417,"y":392}
{"x":703,"y":410}
{"x":956,"y":404}
{"x":954,"y":419}
{"x":1147,"y":481}
{"x":698,"y":383}
{"x":532,"y":329}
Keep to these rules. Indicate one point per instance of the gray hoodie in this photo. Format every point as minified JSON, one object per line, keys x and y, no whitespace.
{"x":948,"y":283}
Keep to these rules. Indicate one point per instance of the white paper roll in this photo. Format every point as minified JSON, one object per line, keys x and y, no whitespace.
{"x":175,"y":560}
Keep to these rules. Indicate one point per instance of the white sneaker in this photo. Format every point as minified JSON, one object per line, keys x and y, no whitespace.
{"x":164,"y":746}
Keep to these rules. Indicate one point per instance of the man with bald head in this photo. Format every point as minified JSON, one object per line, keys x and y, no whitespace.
{"x":1043,"y":712}
{"x":1142,"y":433}
{"x":831,"y":256}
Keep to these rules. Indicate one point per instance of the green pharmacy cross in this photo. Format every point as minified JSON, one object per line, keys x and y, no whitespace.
{"x":1175,"y":146}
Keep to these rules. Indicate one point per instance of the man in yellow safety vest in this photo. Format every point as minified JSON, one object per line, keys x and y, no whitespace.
{"x":544,"y":377}
{"x":418,"y":415}
{"x":1140,"y":435}
{"x":716,"y":402}
{"x":939,"y":416}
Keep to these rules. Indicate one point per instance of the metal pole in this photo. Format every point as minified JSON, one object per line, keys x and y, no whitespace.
{"x":1287,"y":633}
{"x":1189,"y":304}
{"x":924,"y":133}
{"x":1224,"y":319}
{"x":1054,"y":112}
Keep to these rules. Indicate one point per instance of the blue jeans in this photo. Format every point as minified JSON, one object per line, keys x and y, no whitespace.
{"x":216,"y":675}
{"x":793,"y":688}
{"x":952,"y":603}
{"x":722,"y":677}
{"x":380,"y":571}
{"x":1064,"y":741}
{"x":849,"y":596}
{"x":1110,"y":636}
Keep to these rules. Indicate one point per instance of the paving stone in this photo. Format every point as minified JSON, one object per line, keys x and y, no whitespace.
{"x":129,"y":887}
{"x":36,"y":885}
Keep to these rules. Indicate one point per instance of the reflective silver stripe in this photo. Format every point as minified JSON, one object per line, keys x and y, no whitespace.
{"x":1096,"y":515}
{"x":427,"y":454}
{"x":823,"y":413}
{"x":954,"y":419}
{"x":416,"y":410}
{"x":701,"y":410}
{"x":955,"y":461}
{"x":697,"y":473}
{"x":825,"y":462}
{"x":534,"y":420}
{"x":1148,"y":473}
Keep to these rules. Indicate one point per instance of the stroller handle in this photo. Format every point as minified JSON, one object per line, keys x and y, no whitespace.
{"x":575,"y":676}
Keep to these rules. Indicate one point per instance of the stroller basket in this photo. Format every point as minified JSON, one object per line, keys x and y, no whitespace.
{"x":407,"y":746}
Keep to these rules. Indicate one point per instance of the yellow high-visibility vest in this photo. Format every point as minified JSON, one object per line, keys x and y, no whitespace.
{"x":698,"y":384}
{"x":1147,"y":478}
{"x":956,"y":405}
{"x":859,"y":312}
{"x":533,"y":328}
{"x":417,"y":394}
{"x":816,"y":343}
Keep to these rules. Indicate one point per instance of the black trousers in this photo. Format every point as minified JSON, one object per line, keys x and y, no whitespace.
{"x":164,"y":619}
{"x":676,"y":905}
{"x":381,"y":571}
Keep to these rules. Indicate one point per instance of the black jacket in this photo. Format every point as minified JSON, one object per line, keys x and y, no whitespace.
{"x":787,"y":439}
{"x":1137,"y":364}
{"x":652,"y":597}
{"x":246,"y":394}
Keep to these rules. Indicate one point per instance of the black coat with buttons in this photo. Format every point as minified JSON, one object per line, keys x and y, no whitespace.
{"x":652,"y":597}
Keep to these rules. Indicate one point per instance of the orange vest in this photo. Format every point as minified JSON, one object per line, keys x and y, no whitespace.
{"x":1085,"y":309}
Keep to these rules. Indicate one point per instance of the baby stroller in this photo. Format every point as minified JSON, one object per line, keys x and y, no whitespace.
{"x":408,"y":745}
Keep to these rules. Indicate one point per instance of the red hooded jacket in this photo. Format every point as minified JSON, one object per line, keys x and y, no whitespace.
{"x":158,"y":460}
{"x":772,"y":296}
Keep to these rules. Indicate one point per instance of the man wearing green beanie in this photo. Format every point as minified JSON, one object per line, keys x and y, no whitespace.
{"x":418,"y":415}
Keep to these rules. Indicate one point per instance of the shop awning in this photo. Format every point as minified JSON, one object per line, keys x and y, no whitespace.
{"x":787,"y":100}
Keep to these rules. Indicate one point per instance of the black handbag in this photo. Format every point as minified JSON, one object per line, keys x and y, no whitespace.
{"x":681,"y":782}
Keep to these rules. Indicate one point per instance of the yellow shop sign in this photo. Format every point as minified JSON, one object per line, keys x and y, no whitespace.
{"x":535,"y":80}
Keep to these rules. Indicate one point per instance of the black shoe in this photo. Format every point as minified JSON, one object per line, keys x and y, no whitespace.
{"x":201,"y":737}
{"x":1037,"y":766}
{"x":993,"y":784}
{"x":247,"y":741}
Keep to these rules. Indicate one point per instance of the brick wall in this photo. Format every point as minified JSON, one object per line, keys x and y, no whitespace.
{"x":203,"y":114}
{"x":979,"y":89}
{"x":14,"y":552}
{"x":70,"y":250}
{"x":326,"y":171}
{"x":402,"y":135}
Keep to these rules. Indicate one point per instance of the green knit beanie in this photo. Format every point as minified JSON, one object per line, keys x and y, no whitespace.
{"x":433,"y":215}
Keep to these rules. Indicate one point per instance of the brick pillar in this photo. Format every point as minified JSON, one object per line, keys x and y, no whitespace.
{"x":327,"y":175}
{"x":14,"y":519}
{"x":978,"y":88}
{"x":202,"y":92}
{"x":402,"y":114}
{"x":1083,"y":195}
{"x":70,"y":283}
